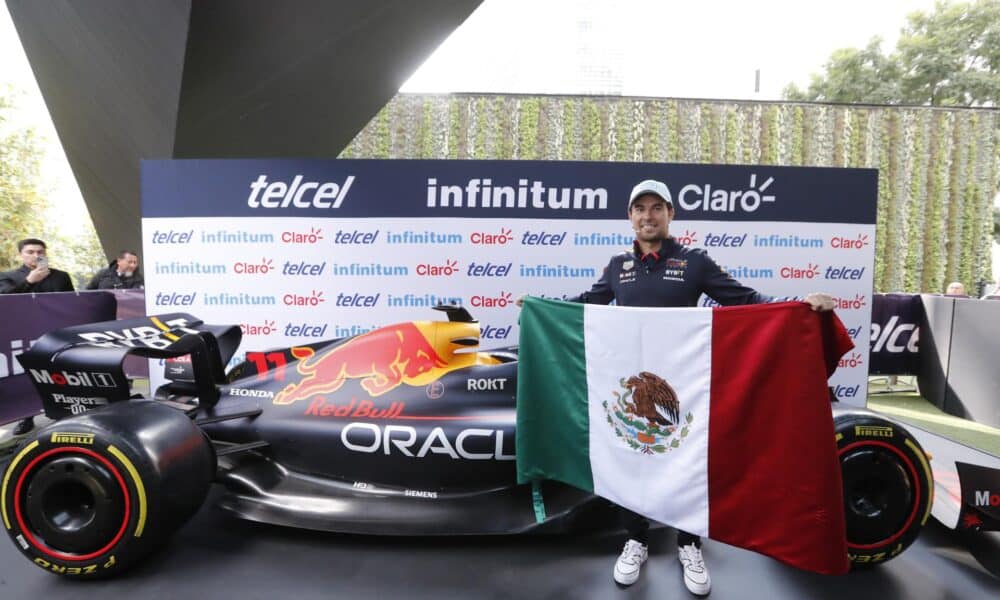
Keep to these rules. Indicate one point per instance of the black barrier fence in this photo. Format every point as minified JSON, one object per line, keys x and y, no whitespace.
{"x":27,"y":316}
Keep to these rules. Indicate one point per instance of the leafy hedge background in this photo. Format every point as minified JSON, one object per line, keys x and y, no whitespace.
{"x":938,"y":167}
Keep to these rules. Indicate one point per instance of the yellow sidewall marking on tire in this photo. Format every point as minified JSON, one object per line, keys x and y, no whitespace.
{"x":928,"y":472}
{"x":140,"y":490}
{"x":6,"y":479}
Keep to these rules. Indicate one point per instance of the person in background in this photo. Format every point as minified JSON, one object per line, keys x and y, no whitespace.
{"x":121,"y":274}
{"x":34,"y":275}
{"x":955,"y":288}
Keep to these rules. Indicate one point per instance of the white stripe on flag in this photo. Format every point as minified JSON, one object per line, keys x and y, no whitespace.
{"x":676,"y":345}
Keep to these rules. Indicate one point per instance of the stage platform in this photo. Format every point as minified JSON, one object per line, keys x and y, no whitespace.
{"x":217,"y":556}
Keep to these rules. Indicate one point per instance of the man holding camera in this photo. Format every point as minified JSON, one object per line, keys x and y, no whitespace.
{"x":34,"y":275}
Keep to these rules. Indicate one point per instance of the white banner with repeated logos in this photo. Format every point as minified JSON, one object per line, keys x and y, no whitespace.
{"x":287,"y":279}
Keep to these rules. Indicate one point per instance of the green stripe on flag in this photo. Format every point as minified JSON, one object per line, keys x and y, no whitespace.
{"x":552,"y":421}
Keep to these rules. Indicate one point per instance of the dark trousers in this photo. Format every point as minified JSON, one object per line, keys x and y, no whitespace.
{"x":637,"y":527}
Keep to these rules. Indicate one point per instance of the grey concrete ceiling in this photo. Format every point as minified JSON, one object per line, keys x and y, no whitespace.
{"x":126,"y":81}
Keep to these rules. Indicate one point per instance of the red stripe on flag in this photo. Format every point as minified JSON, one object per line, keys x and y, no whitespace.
{"x":773,"y":474}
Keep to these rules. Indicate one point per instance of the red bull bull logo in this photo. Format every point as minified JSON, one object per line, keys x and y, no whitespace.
{"x":383,"y":359}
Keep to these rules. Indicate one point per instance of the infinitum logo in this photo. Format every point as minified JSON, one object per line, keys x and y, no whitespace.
{"x":368,"y":270}
{"x":188,"y":268}
{"x":423,"y":300}
{"x":601,"y":239}
{"x":704,"y":198}
{"x":745,"y":272}
{"x":483,"y":193}
{"x":297,"y":194}
{"x":561,"y":271}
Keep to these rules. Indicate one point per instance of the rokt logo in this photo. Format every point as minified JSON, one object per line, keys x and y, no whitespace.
{"x":844,"y":243}
{"x":688,"y":238}
{"x":449,"y":268}
{"x":314,"y":299}
{"x":265,"y":266}
{"x":704,"y":198}
{"x":811,"y":271}
{"x":502,"y":300}
{"x":481,"y":238}
{"x":314,"y":236}
{"x":311,"y":194}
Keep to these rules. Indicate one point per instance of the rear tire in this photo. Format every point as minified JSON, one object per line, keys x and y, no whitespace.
{"x":92,"y":494}
{"x":888,"y":486}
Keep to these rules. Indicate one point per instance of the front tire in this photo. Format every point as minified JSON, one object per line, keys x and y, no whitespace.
{"x":888,"y":486}
{"x":90,"y":495}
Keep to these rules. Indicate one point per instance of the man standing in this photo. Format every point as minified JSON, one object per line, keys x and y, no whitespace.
{"x":122,"y":273}
{"x":34,"y":275}
{"x":658,"y":271}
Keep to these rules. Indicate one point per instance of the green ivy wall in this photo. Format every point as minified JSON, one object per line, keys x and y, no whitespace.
{"x":938,"y":168}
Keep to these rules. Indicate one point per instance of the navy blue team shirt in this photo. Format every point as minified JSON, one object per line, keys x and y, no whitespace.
{"x":674,"y":276}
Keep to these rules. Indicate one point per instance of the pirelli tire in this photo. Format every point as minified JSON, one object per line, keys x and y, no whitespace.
{"x":90,"y":495}
{"x":888,"y":486}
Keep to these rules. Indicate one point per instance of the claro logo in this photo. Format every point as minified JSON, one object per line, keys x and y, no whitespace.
{"x":705,"y":198}
{"x":298,"y":193}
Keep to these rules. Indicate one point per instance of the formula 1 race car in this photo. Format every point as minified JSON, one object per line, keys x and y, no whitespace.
{"x":404,"y":430}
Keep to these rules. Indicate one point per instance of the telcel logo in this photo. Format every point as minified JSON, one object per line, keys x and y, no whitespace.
{"x":725,"y":240}
{"x":809,"y":272}
{"x":888,"y":336}
{"x":174,"y":299}
{"x":314,"y":299}
{"x":172,"y":237}
{"x":355,"y":237}
{"x":688,"y":238}
{"x":299,"y":194}
{"x":445,"y":270}
{"x":305,"y":330}
{"x":987,"y":498}
{"x":491,"y":239}
{"x":846,"y":391}
{"x":843,"y":243}
{"x":488,"y":270}
{"x":695,"y":197}
{"x":303,"y":268}
{"x":488,"y":332}
{"x":543,"y":238}
{"x":844,"y":273}
{"x":265,"y":266}
{"x":502,"y":300}
{"x":314,"y":236}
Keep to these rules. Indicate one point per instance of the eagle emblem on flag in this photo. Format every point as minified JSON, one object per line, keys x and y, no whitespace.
{"x":645,"y":414}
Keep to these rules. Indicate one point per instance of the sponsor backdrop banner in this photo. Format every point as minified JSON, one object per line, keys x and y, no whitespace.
{"x":895,"y":334}
{"x":301,"y":250}
{"x":37,"y":314}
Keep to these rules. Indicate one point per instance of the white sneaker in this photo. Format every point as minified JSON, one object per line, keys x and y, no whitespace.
{"x":629,"y":564}
{"x":695,"y":572}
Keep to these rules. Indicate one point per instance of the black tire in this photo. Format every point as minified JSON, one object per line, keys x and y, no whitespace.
{"x":888,"y":486}
{"x":92,"y":494}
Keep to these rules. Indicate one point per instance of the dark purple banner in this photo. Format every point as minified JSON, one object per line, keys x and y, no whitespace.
{"x":26,"y":318}
{"x":895,"y":334}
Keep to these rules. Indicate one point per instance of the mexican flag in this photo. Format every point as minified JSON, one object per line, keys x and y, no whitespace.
{"x":713,"y":420}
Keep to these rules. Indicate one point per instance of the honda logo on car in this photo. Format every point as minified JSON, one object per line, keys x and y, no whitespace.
{"x":74,"y":378}
{"x":403,"y":439}
{"x":987,"y":498}
{"x":299,"y":194}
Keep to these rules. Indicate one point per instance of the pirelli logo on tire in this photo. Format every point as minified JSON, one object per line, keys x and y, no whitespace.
{"x":86,"y":439}
{"x":870,"y":431}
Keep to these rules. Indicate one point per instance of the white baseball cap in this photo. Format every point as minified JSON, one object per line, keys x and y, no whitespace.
{"x":650,"y":186}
